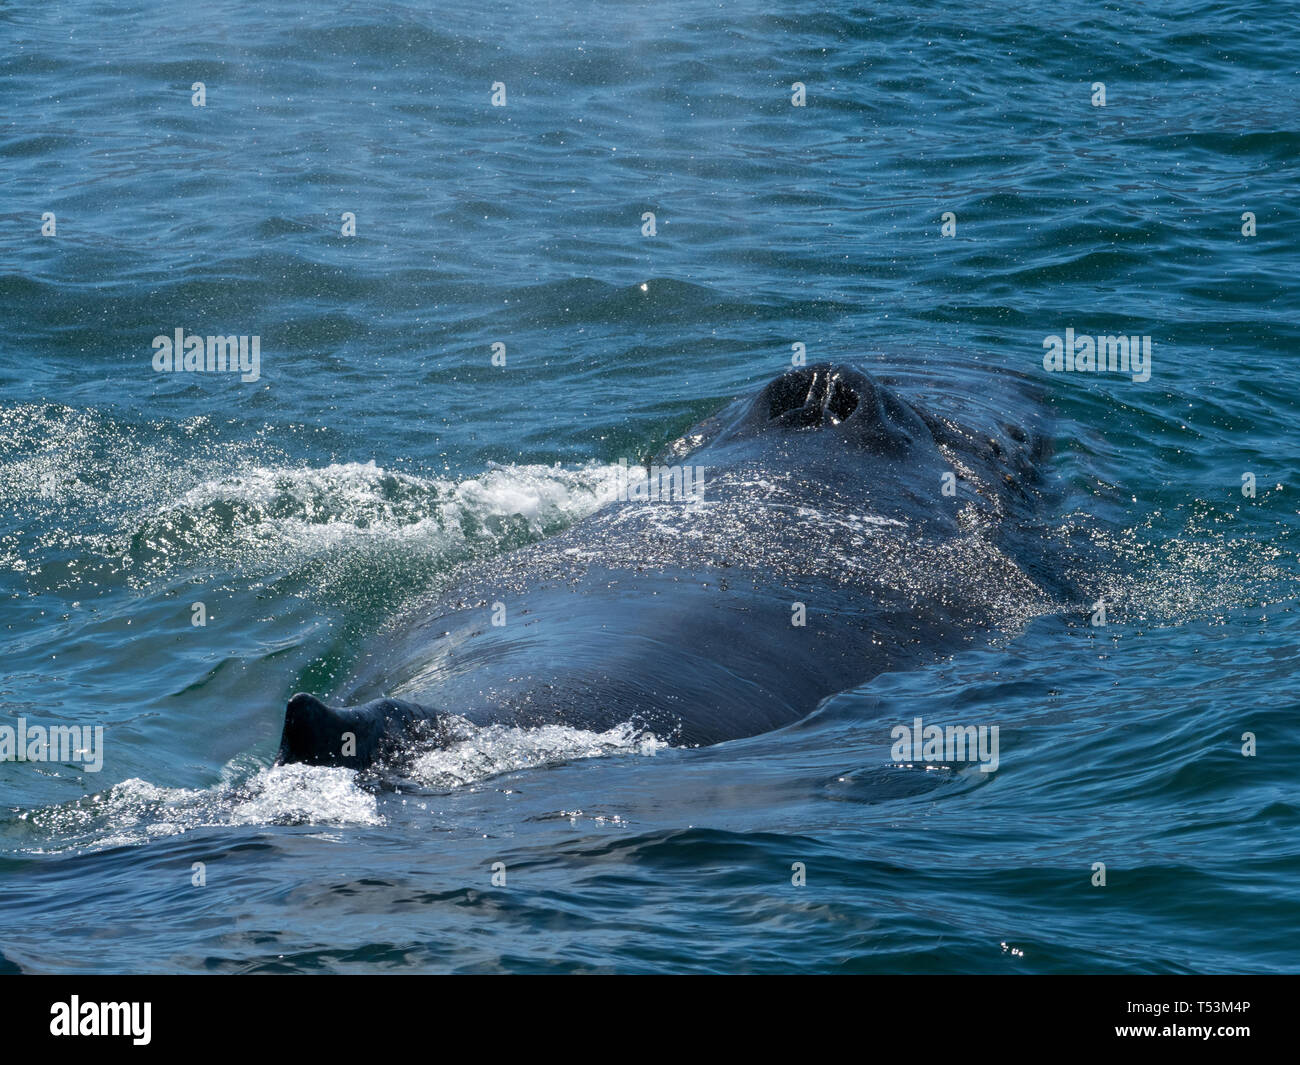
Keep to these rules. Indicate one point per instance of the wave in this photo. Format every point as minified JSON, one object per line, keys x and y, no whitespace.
{"x":85,"y":492}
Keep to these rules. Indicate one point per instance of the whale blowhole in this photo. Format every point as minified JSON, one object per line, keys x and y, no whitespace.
{"x":814,"y":395}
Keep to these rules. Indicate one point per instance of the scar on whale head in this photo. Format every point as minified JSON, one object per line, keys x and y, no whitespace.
{"x":891,"y":530}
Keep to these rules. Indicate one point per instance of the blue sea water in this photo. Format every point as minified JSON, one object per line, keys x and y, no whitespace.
{"x":380,"y":448}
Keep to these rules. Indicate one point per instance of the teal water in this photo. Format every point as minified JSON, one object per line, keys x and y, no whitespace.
{"x":380,"y":448}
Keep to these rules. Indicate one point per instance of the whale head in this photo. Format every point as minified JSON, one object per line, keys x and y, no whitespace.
{"x":869,"y":444}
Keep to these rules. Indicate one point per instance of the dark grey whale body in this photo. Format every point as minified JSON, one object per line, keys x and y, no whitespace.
{"x":825,"y":494}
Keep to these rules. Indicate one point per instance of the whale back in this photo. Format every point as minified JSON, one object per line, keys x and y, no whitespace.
{"x":825,"y":492}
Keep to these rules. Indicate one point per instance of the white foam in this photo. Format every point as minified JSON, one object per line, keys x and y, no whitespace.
{"x":309,"y":507}
{"x":491,"y":750}
{"x":135,"y":811}
{"x":153,"y":507}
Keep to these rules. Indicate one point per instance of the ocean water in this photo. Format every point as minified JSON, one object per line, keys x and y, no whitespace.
{"x":380,"y":448}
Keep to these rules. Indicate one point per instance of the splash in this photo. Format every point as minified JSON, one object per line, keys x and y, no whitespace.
{"x":265,"y":512}
{"x":487,"y":751}
{"x":1144,"y":575}
{"x":136,"y":811}
{"x":97,"y":499}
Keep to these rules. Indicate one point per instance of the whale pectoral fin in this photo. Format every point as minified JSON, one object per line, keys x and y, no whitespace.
{"x":354,"y":737}
{"x":313,"y":732}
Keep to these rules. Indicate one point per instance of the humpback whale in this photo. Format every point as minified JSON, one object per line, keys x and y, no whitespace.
{"x":844,"y":530}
